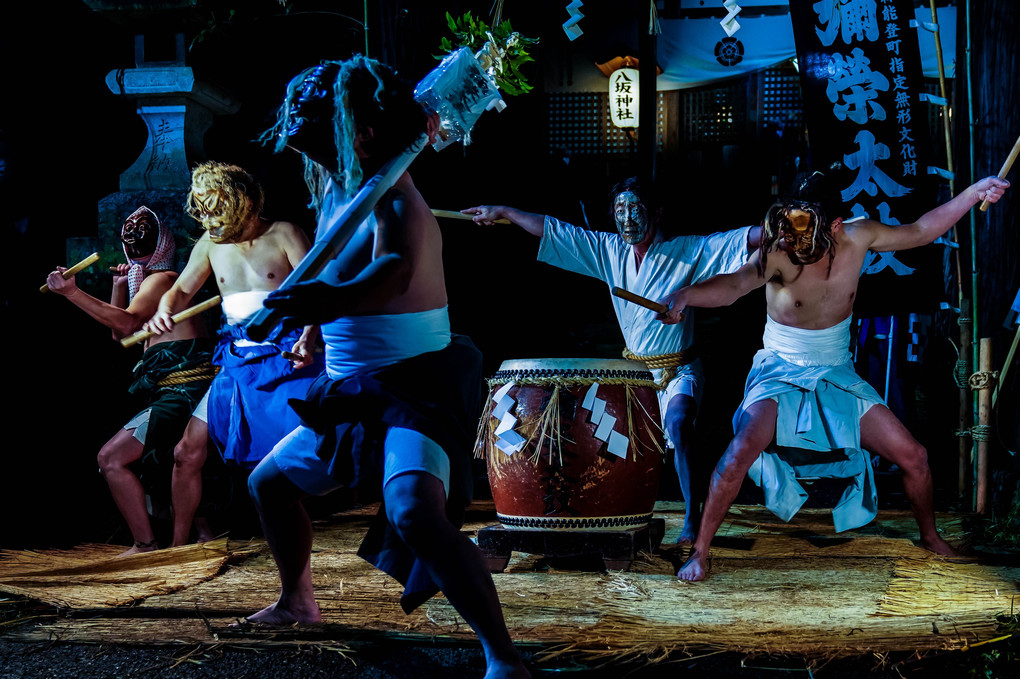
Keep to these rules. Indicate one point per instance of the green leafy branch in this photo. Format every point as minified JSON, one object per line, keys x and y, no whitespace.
{"x":474,"y":33}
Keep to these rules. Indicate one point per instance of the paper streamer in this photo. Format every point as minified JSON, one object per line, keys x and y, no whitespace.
{"x":730,"y":24}
{"x":571,"y":28}
{"x":507,"y":440}
{"x":616,"y":442}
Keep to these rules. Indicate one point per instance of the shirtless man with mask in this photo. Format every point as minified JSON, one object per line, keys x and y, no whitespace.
{"x":396,"y":409}
{"x":810,"y":260}
{"x":173,"y":374}
{"x":638,"y":258}
{"x":245,"y":412}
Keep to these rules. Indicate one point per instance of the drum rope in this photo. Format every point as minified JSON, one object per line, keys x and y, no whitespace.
{"x":669,"y":364}
{"x":574,"y":381}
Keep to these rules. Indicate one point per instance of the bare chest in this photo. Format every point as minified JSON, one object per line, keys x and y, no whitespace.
{"x":813,"y":296}
{"x":239,"y":268}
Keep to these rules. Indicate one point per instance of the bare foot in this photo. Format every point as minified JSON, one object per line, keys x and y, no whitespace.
{"x":694,"y":569}
{"x":140,"y":548}
{"x":939,"y":546}
{"x":280,"y":616}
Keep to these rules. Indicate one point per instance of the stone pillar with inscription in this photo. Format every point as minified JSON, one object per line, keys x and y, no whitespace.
{"x":177,"y":109}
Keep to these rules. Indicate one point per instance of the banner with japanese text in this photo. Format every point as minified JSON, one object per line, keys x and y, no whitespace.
{"x":861,"y":78}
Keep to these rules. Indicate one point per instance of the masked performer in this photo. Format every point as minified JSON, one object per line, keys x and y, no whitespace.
{"x":172,"y":376}
{"x":245,"y":412}
{"x":398,"y":404}
{"x":802,"y":391}
{"x":641,"y":260}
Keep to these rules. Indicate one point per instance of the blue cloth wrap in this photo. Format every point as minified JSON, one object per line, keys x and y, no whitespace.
{"x":248,"y":409}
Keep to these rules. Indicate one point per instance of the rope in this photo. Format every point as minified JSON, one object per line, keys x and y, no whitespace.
{"x":981,"y":432}
{"x":204,"y":371}
{"x":667,"y":363}
{"x":984,"y":379}
{"x":962,"y":433}
{"x":961,"y":373}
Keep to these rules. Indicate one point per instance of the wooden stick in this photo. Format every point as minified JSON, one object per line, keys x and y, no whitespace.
{"x":451,"y":214}
{"x":1005,"y":368}
{"x":143,"y":335}
{"x":1005,"y":169}
{"x":640,"y":301}
{"x":83,"y":264}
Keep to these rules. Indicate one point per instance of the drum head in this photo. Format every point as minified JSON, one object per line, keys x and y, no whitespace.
{"x":573,"y":366}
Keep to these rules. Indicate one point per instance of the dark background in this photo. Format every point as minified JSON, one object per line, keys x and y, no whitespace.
{"x":67,"y":138}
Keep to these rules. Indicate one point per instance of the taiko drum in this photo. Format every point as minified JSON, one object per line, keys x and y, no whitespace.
{"x":565,"y":477}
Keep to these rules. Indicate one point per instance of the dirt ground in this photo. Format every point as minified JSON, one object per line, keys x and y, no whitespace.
{"x":399,"y":660}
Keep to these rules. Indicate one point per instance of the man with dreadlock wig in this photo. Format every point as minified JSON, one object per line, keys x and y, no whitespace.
{"x":803,"y":402}
{"x":641,"y":260}
{"x":245,"y":412}
{"x":172,"y":376}
{"x":397,"y":407}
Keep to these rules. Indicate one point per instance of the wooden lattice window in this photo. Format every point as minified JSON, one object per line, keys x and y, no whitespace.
{"x":579,"y":123}
{"x":713,"y":114}
{"x":781,"y":102}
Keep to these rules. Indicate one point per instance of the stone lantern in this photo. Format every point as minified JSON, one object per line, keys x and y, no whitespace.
{"x":177,"y":109}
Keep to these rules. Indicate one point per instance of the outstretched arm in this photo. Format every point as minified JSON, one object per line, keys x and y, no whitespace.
{"x":720,"y":290}
{"x":488,"y":214}
{"x":931,"y":225}
{"x":121,"y":321}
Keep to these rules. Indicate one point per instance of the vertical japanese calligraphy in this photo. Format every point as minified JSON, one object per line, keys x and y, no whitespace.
{"x":624,"y":95}
{"x":861,"y":79}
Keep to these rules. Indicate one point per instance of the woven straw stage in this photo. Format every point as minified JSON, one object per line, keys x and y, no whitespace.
{"x":773,"y":588}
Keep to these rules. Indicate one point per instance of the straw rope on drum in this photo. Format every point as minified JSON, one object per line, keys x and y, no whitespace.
{"x":547,"y":425}
{"x":669,"y":364}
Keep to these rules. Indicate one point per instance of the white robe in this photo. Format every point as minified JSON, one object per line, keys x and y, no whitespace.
{"x":668,"y":265}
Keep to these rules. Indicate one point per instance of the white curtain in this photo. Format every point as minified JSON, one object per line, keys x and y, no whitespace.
{"x":688,"y":48}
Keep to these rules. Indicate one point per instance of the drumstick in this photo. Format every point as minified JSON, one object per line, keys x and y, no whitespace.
{"x":640,"y":301}
{"x":83,"y":264}
{"x":460,"y":215}
{"x":143,"y":335}
{"x":1005,"y":169}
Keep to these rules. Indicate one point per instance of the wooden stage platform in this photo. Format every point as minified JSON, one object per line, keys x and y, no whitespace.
{"x":773,"y":588}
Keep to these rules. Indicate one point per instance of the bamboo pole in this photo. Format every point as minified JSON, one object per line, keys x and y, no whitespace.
{"x":966,"y":401}
{"x":966,"y":408}
{"x":1005,"y":368}
{"x":80,"y":266}
{"x":984,"y":418}
{"x":143,"y":335}
{"x":945,"y":112}
{"x":971,"y":129}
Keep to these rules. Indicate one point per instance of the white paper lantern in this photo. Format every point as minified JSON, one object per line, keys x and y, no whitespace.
{"x":624,"y":94}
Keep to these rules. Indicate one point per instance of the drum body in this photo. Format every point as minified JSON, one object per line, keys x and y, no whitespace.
{"x":589,"y":439}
